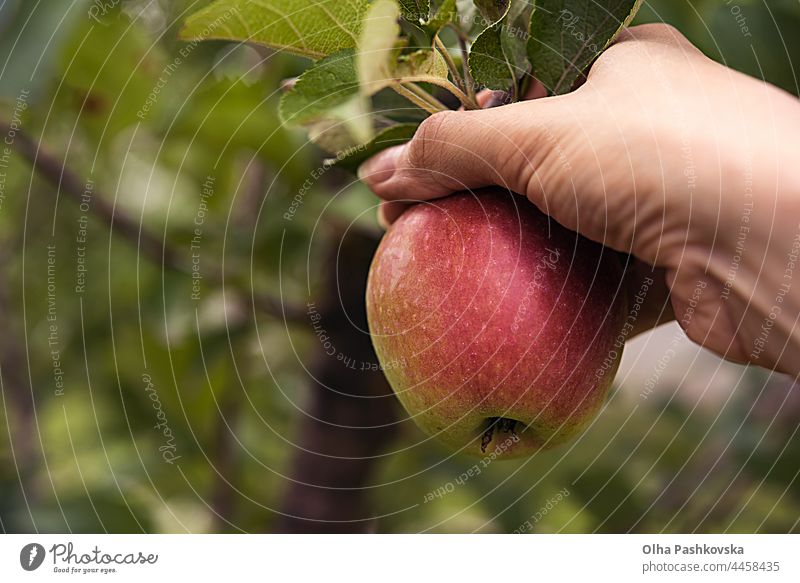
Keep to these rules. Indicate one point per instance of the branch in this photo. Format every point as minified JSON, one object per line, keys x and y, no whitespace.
{"x":57,"y":173}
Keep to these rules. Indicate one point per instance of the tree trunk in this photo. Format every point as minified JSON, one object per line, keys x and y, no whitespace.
{"x":353,"y":414}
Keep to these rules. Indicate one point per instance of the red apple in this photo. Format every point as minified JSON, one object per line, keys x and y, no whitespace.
{"x":496,"y":326}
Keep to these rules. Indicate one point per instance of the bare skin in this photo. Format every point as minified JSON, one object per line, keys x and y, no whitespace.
{"x":689,"y":166}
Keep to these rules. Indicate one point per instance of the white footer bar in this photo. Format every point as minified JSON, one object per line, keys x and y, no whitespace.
{"x":406,"y":558}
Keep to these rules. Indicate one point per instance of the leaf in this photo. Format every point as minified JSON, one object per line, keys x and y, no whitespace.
{"x":514,"y":36}
{"x":328,"y":83}
{"x":345,"y":127}
{"x":498,"y":57}
{"x":325,"y":99}
{"x":389,"y":105}
{"x":421,"y":63}
{"x":567,"y":35}
{"x":392,"y":136}
{"x":492,"y":10}
{"x":377,"y":44}
{"x":447,"y":12}
{"x":415,"y":11}
{"x":331,"y":135}
{"x":310,"y":28}
{"x":357,"y":116}
{"x":377,"y":62}
{"x":487,"y":62}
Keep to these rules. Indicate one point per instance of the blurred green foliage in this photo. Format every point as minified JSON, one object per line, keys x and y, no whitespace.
{"x":89,"y":460}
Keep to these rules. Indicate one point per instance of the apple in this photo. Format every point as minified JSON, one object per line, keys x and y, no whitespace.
{"x":496,"y":326}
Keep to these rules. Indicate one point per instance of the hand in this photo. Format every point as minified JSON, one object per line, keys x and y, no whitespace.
{"x":662,"y":153}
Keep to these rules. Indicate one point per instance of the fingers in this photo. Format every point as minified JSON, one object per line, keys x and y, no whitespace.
{"x":488,"y":98}
{"x":484,"y":97}
{"x":407,"y":172}
{"x":451,"y":151}
{"x":535,"y":90}
{"x":648,"y":283}
{"x":390,"y":211}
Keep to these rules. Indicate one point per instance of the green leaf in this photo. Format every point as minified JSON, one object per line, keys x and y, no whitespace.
{"x":415,"y":11}
{"x":421,"y":64}
{"x":567,"y":35}
{"x":514,"y":36}
{"x":346,"y":126}
{"x":498,"y":57}
{"x":492,"y":10}
{"x":447,"y":12}
{"x":394,"y":135}
{"x":310,"y":28}
{"x":390,"y":105}
{"x":377,"y":46}
{"x":331,"y":135}
{"x":378,"y":63}
{"x":487,"y":62}
{"x":328,"y":83}
{"x":326,"y":100}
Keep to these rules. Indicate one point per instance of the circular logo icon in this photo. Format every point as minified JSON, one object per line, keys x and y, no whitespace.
{"x":31,"y":556}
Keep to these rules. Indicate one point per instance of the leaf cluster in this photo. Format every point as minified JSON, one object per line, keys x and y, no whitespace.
{"x":436,"y":54}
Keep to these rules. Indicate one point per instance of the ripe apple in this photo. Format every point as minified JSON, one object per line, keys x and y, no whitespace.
{"x":495,"y":325}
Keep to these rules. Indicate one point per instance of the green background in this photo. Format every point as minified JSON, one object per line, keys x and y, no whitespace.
{"x":233,"y":380}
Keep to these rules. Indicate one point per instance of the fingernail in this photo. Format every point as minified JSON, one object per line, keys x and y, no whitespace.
{"x":380,"y":167}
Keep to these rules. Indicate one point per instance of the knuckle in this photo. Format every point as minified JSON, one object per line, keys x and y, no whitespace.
{"x":657,"y":31}
{"x":427,"y":139}
{"x":633,"y":49}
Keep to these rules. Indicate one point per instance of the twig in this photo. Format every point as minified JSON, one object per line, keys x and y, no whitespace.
{"x":451,"y":65}
{"x":468,"y":80}
{"x":448,"y":85}
{"x":419,"y":100}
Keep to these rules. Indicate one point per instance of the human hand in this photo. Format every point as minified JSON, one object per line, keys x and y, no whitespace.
{"x":662,"y":153}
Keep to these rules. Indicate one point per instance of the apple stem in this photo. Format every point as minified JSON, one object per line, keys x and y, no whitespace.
{"x":503,"y":424}
{"x":508,"y":426}
{"x":487,"y":435}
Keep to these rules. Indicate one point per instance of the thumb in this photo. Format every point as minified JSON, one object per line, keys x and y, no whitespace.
{"x":451,"y":151}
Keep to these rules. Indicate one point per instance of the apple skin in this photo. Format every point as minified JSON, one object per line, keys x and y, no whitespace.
{"x":485,"y":312}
